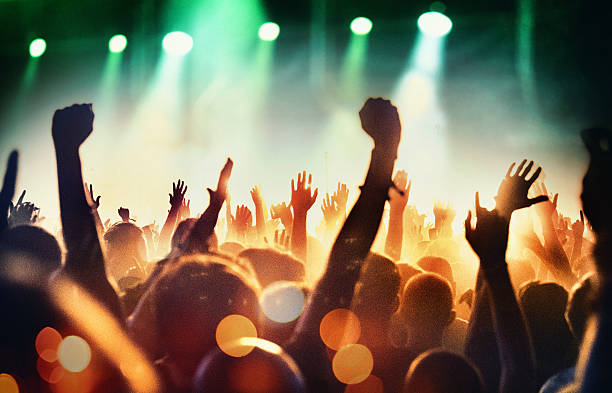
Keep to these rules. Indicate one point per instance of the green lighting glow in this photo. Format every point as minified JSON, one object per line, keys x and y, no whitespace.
{"x":361,"y":25}
{"x":117,"y":43}
{"x":434,"y":24}
{"x":269,"y":31}
{"x":177,"y":43}
{"x":38,"y":47}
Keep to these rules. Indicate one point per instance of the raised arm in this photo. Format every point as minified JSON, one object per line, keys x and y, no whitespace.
{"x":84,"y":259}
{"x":398,"y":198}
{"x":489,"y":241}
{"x":205,"y":226}
{"x":176,"y":200}
{"x":260,"y":209}
{"x":380,"y":120}
{"x":556,"y":258}
{"x":8,"y":189}
{"x":302,"y":199}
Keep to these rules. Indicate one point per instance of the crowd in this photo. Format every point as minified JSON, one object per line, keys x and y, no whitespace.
{"x":254,"y":303}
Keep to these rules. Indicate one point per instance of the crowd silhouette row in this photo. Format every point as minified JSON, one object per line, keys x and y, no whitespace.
{"x":252,"y":302}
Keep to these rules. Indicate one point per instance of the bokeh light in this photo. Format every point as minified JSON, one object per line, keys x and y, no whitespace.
{"x":361,"y":25}
{"x":434,"y":24}
{"x":8,"y":384}
{"x":51,"y":372}
{"x":38,"y":47}
{"x":269,"y":31}
{"x":353,"y":364}
{"x":117,"y":43}
{"x":74,"y":354}
{"x":372,"y":384}
{"x":177,"y":43}
{"x":339,"y":327}
{"x":282,"y":301}
{"x":47,"y":342}
{"x":231,"y":329}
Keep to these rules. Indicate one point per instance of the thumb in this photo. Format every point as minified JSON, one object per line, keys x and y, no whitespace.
{"x":533,"y":201}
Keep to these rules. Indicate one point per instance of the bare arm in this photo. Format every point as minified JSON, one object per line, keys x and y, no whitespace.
{"x":84,"y":260}
{"x":205,"y":226}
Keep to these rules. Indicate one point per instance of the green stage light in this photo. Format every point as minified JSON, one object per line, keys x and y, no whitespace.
{"x":38,"y":47}
{"x":361,"y":25}
{"x":177,"y":43}
{"x":434,"y":24}
{"x":117,"y":43}
{"x":269,"y":31}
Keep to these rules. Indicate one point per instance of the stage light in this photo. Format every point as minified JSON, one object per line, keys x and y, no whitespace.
{"x":434,"y":24}
{"x":177,"y":43}
{"x":117,"y":43}
{"x":269,"y":31}
{"x":38,"y":47}
{"x":361,"y":25}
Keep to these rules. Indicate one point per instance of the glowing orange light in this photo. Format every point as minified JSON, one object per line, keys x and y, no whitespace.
{"x":231,"y":329}
{"x":372,"y":384}
{"x":51,"y":372}
{"x":47,"y":341}
{"x":74,"y":354}
{"x":353,"y":364}
{"x":339,"y":327}
{"x":8,"y":384}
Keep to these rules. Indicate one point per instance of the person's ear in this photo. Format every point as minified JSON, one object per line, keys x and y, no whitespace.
{"x":396,"y":303}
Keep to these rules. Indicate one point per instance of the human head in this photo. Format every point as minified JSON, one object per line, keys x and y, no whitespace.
{"x":194,"y":295}
{"x":271,"y":265}
{"x":183,"y":230}
{"x":440,"y":371}
{"x":377,"y":291}
{"x":440,"y":266}
{"x":426,"y":310}
{"x":266,"y":369}
{"x":126,"y":251}
{"x":35,"y":243}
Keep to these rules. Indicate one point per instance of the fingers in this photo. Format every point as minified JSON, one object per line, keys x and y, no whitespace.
{"x":581,"y":216}
{"x":468,"y":223}
{"x":527,"y":169}
{"x":20,"y":200}
{"x":520,"y":167}
{"x":555,"y":198}
{"x":533,"y":201}
{"x":293,"y":189}
{"x":477,"y":203}
{"x":314,"y":196}
{"x":510,"y":169}
{"x":534,"y":177}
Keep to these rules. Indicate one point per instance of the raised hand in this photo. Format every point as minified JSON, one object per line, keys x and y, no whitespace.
{"x":92,"y":201}
{"x":8,"y":188}
{"x":302,"y":197}
{"x":546,"y":211}
{"x":185,"y":210}
{"x":489,"y":239}
{"x":23,"y":213}
{"x":242,"y":220}
{"x":330,"y":210}
{"x":178,"y":194}
{"x":71,"y":126}
{"x":578,"y":227}
{"x":380,"y":120}
{"x":281,"y":242}
{"x":341,"y":198}
{"x":256,"y":195}
{"x":398,"y":195}
{"x":124,"y":214}
{"x":283,"y":212}
{"x":512,"y":192}
{"x":220,"y":194}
